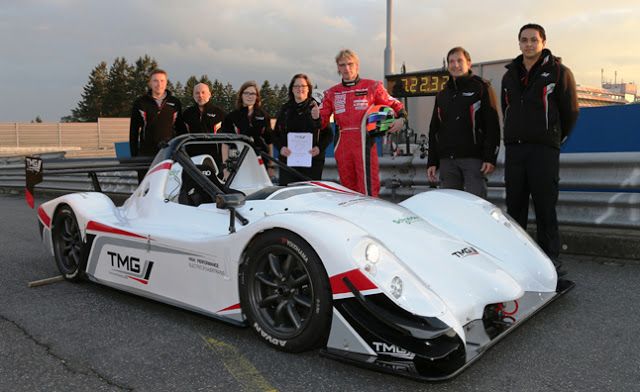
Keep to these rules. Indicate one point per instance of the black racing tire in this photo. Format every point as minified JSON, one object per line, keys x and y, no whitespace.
{"x":285,"y":292}
{"x":68,"y":247}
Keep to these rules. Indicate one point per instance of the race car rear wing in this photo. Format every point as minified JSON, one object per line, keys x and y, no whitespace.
{"x":35,"y":172}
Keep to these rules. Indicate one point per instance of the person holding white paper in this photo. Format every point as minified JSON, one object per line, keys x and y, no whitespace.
{"x":300,"y":144}
{"x":298,"y":135}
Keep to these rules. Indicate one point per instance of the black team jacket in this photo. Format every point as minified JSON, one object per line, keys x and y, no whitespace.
{"x":539,"y":106}
{"x":152,"y":124}
{"x":296,"y":117}
{"x":207,"y":121}
{"x":465,"y":122}
{"x":258,"y":126}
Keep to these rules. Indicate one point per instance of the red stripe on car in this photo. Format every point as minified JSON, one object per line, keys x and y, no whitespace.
{"x":44,"y":217}
{"x":232,"y":307}
{"x":357,"y":278}
{"x":139,"y":280}
{"x":96,"y":226}
{"x":161,"y":166}
{"x":325,"y":186}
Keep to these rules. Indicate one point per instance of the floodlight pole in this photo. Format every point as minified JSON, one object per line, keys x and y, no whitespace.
{"x":388,"y":50}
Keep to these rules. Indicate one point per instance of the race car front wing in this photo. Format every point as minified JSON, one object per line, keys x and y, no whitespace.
{"x":372,"y":332}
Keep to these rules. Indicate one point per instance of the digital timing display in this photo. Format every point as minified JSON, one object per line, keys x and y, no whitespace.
{"x":418,"y":84}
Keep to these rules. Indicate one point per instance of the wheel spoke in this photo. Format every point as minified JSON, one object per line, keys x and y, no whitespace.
{"x":68,"y":226}
{"x":66,"y":237}
{"x":75,"y":256}
{"x":262,"y":278}
{"x":293,"y":315}
{"x":274,"y":263}
{"x":269,"y":300}
{"x":280,"y":312}
{"x":300,"y":281}
{"x":286,"y":265}
{"x":304,"y":301}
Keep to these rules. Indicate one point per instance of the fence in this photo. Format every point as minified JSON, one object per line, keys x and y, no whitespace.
{"x":79,"y":139}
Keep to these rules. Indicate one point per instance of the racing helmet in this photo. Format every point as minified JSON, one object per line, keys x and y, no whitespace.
{"x":378,"y":119}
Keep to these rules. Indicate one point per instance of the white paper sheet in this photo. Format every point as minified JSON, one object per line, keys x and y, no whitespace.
{"x":300,"y":144}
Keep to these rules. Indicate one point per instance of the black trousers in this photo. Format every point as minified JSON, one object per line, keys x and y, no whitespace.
{"x":533,"y":169}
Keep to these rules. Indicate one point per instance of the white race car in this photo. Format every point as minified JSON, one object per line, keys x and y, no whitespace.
{"x":419,"y":289}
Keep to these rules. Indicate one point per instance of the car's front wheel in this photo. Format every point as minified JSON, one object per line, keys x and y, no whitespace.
{"x":68,"y":246}
{"x":285,"y":292}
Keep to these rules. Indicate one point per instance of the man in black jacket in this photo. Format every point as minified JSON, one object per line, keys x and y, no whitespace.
{"x":203,"y":116}
{"x":540,"y":108}
{"x":156,"y":117}
{"x":464,"y":135}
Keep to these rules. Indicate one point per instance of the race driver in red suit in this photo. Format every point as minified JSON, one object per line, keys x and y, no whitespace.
{"x":348,"y":102}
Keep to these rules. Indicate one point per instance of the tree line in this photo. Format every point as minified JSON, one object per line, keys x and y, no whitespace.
{"x":110,"y":91}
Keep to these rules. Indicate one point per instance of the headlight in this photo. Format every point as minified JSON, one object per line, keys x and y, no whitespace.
{"x":498,"y":216}
{"x":372,"y":253}
{"x":509,"y":222}
{"x":396,"y":280}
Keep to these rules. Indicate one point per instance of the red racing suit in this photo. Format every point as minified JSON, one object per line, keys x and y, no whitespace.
{"x":348,"y":102}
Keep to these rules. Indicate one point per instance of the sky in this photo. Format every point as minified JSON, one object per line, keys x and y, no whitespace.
{"x":49,"y":47}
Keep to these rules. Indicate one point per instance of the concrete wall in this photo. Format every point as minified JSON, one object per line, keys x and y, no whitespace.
{"x":93,"y":139}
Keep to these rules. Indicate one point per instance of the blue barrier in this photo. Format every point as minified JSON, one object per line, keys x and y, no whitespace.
{"x":606,"y":129}
{"x":122,"y":150}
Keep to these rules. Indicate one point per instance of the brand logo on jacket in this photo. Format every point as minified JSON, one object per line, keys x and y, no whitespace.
{"x":339,"y":103}
{"x":360,"y":104}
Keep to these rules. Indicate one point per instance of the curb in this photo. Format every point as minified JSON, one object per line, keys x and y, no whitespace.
{"x":601,"y":242}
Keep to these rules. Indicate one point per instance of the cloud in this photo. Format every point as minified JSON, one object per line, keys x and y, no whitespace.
{"x":338,"y":22}
{"x":50,"y":46}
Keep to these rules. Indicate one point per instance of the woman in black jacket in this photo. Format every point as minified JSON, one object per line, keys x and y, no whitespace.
{"x":248,"y":118}
{"x":301,"y":114}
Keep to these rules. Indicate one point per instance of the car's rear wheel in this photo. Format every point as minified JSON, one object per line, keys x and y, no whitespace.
{"x":285,"y":292}
{"x":68,"y":246}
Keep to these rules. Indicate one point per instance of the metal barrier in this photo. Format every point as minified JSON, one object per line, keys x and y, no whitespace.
{"x":597,"y":189}
{"x":12,"y":175}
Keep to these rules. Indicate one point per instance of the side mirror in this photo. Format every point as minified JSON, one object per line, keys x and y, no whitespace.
{"x":230,"y":201}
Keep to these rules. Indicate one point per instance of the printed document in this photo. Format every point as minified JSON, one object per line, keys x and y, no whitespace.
{"x":300,"y":144}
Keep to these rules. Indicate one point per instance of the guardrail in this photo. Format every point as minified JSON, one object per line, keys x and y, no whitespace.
{"x":597,"y":189}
